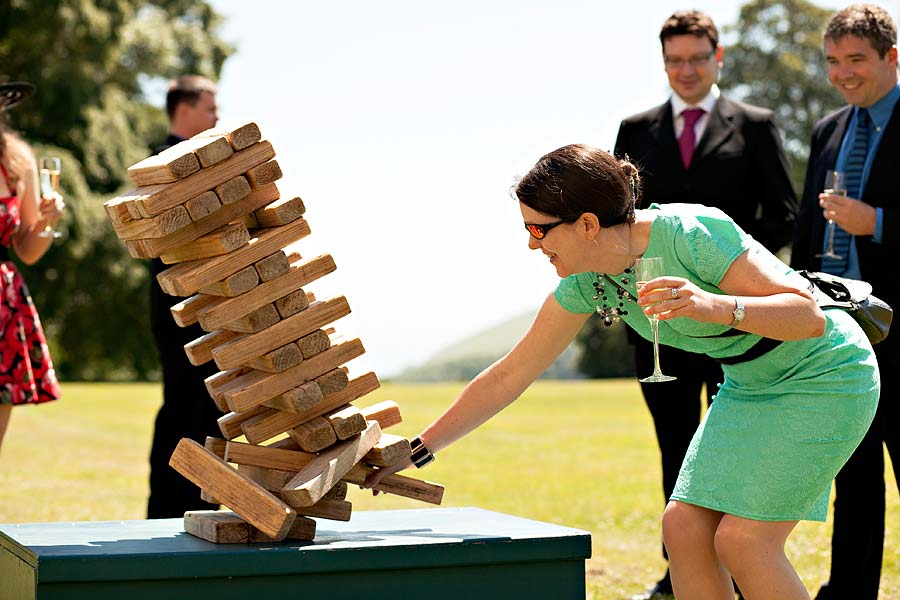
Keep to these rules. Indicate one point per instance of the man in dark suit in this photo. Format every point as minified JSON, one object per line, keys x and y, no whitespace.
{"x":862,"y":140}
{"x":187,"y":409}
{"x":702,"y":148}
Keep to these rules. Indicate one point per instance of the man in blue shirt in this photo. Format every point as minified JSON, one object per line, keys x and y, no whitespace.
{"x":861,"y":140}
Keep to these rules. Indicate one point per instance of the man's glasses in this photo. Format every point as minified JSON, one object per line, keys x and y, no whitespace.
{"x":676,"y":62}
{"x":539,"y":230}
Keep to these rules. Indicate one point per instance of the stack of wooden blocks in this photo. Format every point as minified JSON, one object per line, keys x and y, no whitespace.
{"x":210,"y":207}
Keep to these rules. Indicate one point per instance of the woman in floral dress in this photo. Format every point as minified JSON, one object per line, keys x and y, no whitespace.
{"x":26,"y":371}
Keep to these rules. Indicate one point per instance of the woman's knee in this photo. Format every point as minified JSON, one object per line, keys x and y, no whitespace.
{"x":686,"y":525}
{"x":737,"y":540}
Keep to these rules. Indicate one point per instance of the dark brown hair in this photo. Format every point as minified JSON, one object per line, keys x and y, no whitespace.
{"x":866,"y":21}
{"x":187,"y":89}
{"x":578,"y":179}
{"x":689,"y":22}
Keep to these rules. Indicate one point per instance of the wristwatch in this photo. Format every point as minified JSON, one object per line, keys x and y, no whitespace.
{"x":421,"y":455}
{"x":738,"y":312}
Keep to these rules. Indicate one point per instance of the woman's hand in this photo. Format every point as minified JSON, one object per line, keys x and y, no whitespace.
{"x":50,"y":209}
{"x":674,"y":297}
{"x":375,"y":478}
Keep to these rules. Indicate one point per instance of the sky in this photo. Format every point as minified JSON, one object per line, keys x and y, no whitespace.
{"x":403,"y":124}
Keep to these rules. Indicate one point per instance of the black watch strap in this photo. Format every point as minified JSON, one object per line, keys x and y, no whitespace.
{"x":421,"y":455}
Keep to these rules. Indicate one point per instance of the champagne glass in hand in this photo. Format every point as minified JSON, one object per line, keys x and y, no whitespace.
{"x":648,"y":269}
{"x":50,"y":169}
{"x":835,"y":185}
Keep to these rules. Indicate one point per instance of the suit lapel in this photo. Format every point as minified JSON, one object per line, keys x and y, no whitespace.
{"x":833,"y":144}
{"x":885,"y":157}
{"x":662,"y":129}
{"x":718,"y":129}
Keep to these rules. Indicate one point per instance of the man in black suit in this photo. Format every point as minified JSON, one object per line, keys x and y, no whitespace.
{"x":862,"y":140}
{"x":703,"y":148}
{"x":187,"y":409}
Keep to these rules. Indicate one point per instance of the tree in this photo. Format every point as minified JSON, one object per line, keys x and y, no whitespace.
{"x":777,"y":62}
{"x":91,"y":61}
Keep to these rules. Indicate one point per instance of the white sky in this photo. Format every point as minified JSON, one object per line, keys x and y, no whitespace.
{"x":402,"y":125}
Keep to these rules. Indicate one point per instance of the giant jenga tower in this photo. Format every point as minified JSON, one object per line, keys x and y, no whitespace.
{"x":209,"y":206}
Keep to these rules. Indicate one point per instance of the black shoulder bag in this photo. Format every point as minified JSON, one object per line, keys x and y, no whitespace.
{"x":855,"y":297}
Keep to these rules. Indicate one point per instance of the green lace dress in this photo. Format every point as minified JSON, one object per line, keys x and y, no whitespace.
{"x":782,"y":425}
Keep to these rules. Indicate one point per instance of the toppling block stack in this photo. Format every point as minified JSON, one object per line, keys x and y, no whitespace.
{"x":210,"y":207}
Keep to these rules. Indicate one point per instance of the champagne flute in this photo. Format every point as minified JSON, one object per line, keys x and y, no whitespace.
{"x":50,"y":170}
{"x":646,"y":270}
{"x":835,"y":185}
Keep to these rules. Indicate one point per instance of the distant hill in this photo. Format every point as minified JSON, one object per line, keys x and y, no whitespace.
{"x":463,"y":360}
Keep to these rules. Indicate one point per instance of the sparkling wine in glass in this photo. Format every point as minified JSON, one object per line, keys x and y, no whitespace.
{"x":50,"y":167}
{"x":835,"y":185}
{"x":648,"y":269}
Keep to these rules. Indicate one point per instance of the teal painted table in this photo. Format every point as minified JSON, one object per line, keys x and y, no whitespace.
{"x":439,"y":553}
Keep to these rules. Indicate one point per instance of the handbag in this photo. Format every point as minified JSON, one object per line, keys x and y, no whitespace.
{"x":855,"y":297}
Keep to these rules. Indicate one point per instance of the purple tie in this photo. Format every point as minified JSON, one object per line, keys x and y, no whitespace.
{"x":688,"y":138}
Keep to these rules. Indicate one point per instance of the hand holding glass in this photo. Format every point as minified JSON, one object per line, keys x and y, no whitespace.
{"x":646,"y":270}
{"x":835,"y":185}
{"x":50,"y":170}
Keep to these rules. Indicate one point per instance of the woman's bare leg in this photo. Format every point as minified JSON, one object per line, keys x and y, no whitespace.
{"x":5,"y":414}
{"x":753,"y":551}
{"x":690,"y":532}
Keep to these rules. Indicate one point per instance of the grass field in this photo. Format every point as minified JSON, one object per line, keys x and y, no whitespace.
{"x":580,"y":454}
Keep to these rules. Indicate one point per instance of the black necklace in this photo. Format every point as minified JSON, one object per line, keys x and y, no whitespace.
{"x":612,"y":313}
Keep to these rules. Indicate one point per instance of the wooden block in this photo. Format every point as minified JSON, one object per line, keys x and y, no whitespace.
{"x":284,"y":443}
{"x":400,"y":485}
{"x":217,"y":382}
{"x":257,"y":386}
{"x":314,"y":435}
{"x":203,"y":205}
{"x":217,"y":526}
{"x":186,"y":278}
{"x":280,"y":212}
{"x":151,"y":200}
{"x":314,"y":343}
{"x":249,"y":221}
{"x":170,"y":165}
{"x":234,"y":285}
{"x":338,"y":492}
{"x":390,"y":450}
{"x":231,"y":425}
{"x":332,"y":382}
{"x":269,"y":422}
{"x":290,"y":304}
{"x":346,"y":421}
{"x":217,"y":447}
{"x":315,"y":479}
{"x":387,"y":413}
{"x":272,"y":480}
{"x":221,"y":241}
{"x":299,"y":275}
{"x":263,"y":174}
{"x":240,"y":138}
{"x":259,"y":319}
{"x":199,"y":351}
{"x":161,"y":225}
{"x":236,"y":188}
{"x":328,"y":508}
{"x":239,"y":351}
{"x":185,"y":312}
{"x":117,"y":210}
{"x":213,"y":152}
{"x":266,"y":457}
{"x":298,"y":399}
{"x":278,"y":360}
{"x":249,"y":500}
{"x":303,"y":529}
{"x":151,"y":248}
{"x":272,"y":266}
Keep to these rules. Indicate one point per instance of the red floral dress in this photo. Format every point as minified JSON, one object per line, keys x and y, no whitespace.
{"x":26,"y":371}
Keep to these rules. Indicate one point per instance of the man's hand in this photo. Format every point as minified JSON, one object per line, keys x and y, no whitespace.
{"x":851,"y":214}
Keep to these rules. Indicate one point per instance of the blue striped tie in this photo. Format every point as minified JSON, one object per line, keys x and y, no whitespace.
{"x":856,"y":160}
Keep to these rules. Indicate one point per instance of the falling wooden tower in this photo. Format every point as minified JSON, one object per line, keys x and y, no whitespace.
{"x":210,"y":207}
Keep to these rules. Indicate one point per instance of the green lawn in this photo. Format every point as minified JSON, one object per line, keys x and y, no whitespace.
{"x":580,"y":454}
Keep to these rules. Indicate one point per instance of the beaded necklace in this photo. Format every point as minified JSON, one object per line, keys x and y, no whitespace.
{"x":612,"y":313}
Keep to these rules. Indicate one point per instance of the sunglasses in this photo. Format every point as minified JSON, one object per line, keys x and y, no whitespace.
{"x":539,"y":230}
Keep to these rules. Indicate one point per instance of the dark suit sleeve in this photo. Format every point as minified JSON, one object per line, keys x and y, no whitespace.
{"x":802,"y":255}
{"x":776,"y":193}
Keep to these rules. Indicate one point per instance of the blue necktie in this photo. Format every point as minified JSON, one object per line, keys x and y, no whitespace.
{"x":856,"y":160}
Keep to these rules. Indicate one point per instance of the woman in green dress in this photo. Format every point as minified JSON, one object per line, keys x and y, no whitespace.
{"x":801,"y":384}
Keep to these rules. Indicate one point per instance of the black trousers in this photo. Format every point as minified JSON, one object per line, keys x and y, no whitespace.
{"x":187,"y":409}
{"x":857,"y":544}
{"x":675,"y":405}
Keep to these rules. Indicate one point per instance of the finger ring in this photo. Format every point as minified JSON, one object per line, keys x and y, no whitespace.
{"x":674,"y":293}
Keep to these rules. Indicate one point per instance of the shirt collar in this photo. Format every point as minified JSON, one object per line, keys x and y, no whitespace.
{"x":707,"y":104}
{"x":881,"y":111}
